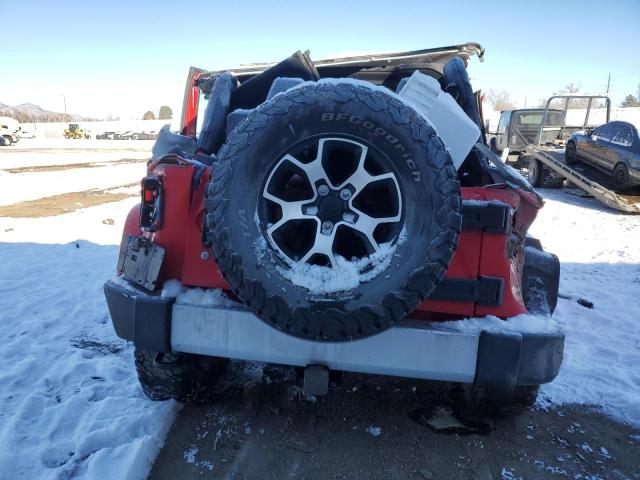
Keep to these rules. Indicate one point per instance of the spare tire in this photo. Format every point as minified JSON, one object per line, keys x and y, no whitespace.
{"x":333,"y":210}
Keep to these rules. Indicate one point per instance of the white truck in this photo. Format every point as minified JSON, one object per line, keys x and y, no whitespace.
{"x":9,"y":129}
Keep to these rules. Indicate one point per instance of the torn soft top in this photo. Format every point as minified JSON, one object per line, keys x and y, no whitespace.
{"x":253,"y":91}
{"x":440,"y":55}
{"x":378,"y":68}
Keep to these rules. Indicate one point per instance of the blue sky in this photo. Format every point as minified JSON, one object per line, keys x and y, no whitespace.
{"x":124,"y":57}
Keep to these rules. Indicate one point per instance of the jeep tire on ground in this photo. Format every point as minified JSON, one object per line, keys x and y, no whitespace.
{"x":499,"y":402}
{"x":312,"y":174}
{"x":181,"y":376}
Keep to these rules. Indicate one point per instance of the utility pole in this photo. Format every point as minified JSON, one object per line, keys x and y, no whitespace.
{"x":66,"y":117}
{"x":608,"y":83}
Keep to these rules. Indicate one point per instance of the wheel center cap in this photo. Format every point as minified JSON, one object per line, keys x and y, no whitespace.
{"x":330,"y":206}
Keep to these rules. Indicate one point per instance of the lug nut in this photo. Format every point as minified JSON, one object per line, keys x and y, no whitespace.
{"x":323,"y":190}
{"x":327,"y":226}
{"x":345,"y":194}
{"x":311,"y":210}
{"x":349,"y":217}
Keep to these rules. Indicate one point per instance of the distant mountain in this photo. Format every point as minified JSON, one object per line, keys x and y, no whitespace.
{"x":30,"y":113}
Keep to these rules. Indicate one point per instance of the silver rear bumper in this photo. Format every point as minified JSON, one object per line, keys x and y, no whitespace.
{"x":451,"y":351}
{"x":412,"y":349}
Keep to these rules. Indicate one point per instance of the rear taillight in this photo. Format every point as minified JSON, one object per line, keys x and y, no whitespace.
{"x":151,"y":204}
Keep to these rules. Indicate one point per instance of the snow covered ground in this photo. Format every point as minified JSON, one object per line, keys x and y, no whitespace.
{"x":70,"y":403}
{"x":20,"y":187}
{"x":70,"y":406}
{"x":41,"y":152}
{"x":600,"y":262}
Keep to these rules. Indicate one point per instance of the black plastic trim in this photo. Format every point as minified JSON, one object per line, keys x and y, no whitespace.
{"x":506,"y":360}
{"x":483,"y":291}
{"x":139,"y":317}
{"x":540,"y":279}
{"x":494,"y":217}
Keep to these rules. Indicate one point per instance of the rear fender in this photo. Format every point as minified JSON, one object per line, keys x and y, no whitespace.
{"x":187,"y":258}
{"x":487,"y":254}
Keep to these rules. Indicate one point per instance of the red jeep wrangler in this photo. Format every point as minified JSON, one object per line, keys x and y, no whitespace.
{"x":319,"y":215}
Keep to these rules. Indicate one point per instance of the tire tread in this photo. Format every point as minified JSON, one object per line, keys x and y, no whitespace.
{"x":336,"y":322}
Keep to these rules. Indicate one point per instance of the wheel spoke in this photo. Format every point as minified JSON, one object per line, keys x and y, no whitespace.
{"x":367,"y":224}
{"x":360,"y":178}
{"x":323,"y":245}
{"x":290,"y":211}
{"x":313,"y":170}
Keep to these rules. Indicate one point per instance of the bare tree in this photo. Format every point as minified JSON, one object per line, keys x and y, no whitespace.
{"x":541,"y":103}
{"x":576,"y":102}
{"x":500,"y":100}
{"x":572,"y":88}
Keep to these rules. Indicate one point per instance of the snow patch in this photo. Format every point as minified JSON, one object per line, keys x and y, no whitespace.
{"x":374,"y":431}
{"x":190,"y":454}
{"x":171,"y":289}
{"x":212,"y":297}
{"x":525,"y":323}
{"x":509,"y":474}
{"x":345,"y":276}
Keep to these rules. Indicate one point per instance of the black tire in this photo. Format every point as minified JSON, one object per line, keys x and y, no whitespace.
{"x":571,"y":154}
{"x":424,"y":172}
{"x":620,"y":176}
{"x":7,"y":140}
{"x":184,"y":377}
{"x":500,"y":402}
{"x":534,"y":172}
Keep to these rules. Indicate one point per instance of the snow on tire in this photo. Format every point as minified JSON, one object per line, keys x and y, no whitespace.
{"x":333,"y":210}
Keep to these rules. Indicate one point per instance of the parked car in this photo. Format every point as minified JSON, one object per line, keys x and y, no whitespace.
{"x":329,"y":228}
{"x":128,"y":135}
{"x":613,"y":148}
{"x":516,"y":128}
{"x":152,"y":135}
{"x":105,"y":136}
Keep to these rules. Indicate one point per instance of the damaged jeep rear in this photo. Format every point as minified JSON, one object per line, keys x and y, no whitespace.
{"x":335,"y":214}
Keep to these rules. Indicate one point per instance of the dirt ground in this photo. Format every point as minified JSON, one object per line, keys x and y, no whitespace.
{"x":67,"y":202}
{"x":259,"y":425}
{"x":69,"y":166}
{"x":34,"y":157}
